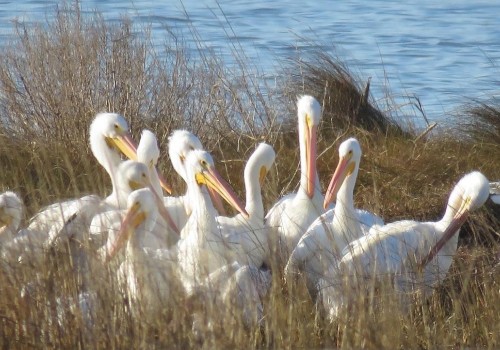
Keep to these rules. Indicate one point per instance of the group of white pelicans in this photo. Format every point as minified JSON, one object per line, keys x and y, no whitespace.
{"x":155,"y":242}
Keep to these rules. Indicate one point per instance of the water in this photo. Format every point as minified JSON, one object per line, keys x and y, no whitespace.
{"x":445,"y":53}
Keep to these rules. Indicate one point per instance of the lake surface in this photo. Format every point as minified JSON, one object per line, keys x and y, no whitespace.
{"x":446,"y":52}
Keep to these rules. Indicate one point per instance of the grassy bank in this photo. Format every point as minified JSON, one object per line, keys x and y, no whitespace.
{"x":55,"y":78}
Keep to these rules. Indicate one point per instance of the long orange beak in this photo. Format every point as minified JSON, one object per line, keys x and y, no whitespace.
{"x":344,"y":168}
{"x":164,"y":183}
{"x":212,"y":179}
{"x":132,"y":219}
{"x":311,"y":152}
{"x":217,"y":201}
{"x":159,"y":203}
{"x":162,"y":210}
{"x":126,"y":145}
{"x":262,"y":175}
{"x":453,"y":228}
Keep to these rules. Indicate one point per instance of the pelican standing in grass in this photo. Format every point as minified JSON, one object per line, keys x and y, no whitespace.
{"x":290,"y":217}
{"x":414,"y":255}
{"x":146,"y":278}
{"x":109,"y":137}
{"x":322,"y":244}
{"x":180,"y":143}
{"x":248,"y":236}
{"x":131,"y":175}
{"x":201,"y":249}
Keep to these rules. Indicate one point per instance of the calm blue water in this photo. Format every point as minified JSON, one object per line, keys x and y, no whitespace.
{"x":443,"y":52}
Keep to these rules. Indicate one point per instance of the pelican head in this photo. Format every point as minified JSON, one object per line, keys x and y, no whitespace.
{"x":114,"y":129}
{"x":141,"y":209}
{"x":469,"y":194}
{"x":148,"y":153}
{"x":262,"y":160}
{"x":349,"y":158}
{"x":201,"y":169}
{"x":309,"y":113}
{"x":10,"y":211}
{"x":180,"y":143}
{"x":135,"y":175}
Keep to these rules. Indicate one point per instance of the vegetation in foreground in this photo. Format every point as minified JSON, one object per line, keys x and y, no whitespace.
{"x":54,"y":80}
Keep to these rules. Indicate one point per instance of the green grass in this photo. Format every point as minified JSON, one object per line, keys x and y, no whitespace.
{"x":53,"y":81}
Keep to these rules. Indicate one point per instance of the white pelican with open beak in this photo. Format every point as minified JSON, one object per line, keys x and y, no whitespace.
{"x":202,"y":249}
{"x":322,"y":244}
{"x":415,"y":256}
{"x":290,"y":217}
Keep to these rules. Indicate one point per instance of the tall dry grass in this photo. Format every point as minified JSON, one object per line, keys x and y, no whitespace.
{"x":55,"y":77}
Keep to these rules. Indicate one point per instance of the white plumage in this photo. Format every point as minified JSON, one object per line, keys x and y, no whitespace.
{"x":202,"y":249}
{"x":248,"y":236}
{"x":321,"y":246}
{"x":415,"y":255}
{"x":290,"y":217}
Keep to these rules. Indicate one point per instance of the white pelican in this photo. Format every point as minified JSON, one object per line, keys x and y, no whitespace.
{"x":109,"y":137}
{"x":414,"y":255}
{"x":148,"y":153}
{"x":180,"y":143}
{"x":201,"y":249}
{"x":147,"y":279}
{"x":329,"y":234}
{"x":248,"y":236}
{"x":11,"y":210}
{"x":131,"y":175}
{"x":290,"y":217}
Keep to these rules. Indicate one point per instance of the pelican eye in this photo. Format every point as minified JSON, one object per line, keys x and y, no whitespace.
{"x":191,"y":148}
{"x":204,"y":163}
